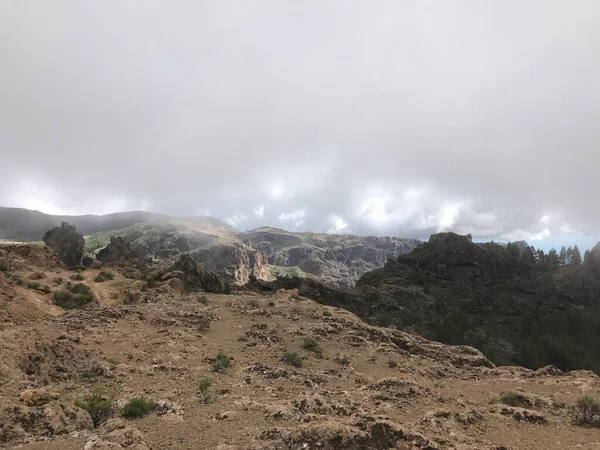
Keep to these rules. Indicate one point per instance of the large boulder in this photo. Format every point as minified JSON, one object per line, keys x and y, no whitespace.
{"x":67,"y":242}
{"x":117,"y":252}
{"x":197,"y":277}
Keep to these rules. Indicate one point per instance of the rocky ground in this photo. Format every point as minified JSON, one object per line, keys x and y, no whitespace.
{"x":358,"y":387}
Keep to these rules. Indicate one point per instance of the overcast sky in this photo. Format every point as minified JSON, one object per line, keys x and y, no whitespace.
{"x":369,"y":117}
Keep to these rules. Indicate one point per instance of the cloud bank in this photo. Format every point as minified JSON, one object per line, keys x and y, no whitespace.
{"x":401,"y":118}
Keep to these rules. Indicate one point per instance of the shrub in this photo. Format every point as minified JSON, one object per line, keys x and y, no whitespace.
{"x":253,"y":303}
{"x":100,"y":405}
{"x":76,"y":296}
{"x":271,"y":303}
{"x":38,"y":287}
{"x":3,"y":268}
{"x":103,"y":276}
{"x":138,"y":407}
{"x":76,"y":277}
{"x":326,"y":313}
{"x":204,"y":385}
{"x":311,"y":345}
{"x":203,"y":300}
{"x":586,"y":412}
{"x":242,"y":339}
{"x":392,"y":364}
{"x":204,"y":324}
{"x":58,"y":280}
{"x":515,"y":399}
{"x":292,"y":358}
{"x":221,"y":362}
{"x":296,"y":297}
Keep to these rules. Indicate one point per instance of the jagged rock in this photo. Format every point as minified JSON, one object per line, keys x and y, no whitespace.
{"x":196,"y":277}
{"x":117,"y":434}
{"x":38,"y":397}
{"x":117,"y":252}
{"x":67,"y":242}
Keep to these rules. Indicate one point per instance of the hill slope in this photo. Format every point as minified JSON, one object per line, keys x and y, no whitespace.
{"x":350,"y":386}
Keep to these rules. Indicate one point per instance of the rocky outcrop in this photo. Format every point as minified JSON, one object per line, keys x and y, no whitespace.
{"x":196,"y":276}
{"x":337,"y":260}
{"x":117,"y":252}
{"x":67,"y":242}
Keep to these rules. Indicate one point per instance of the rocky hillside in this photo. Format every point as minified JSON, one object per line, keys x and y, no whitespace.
{"x":336,"y":260}
{"x":172,"y":367}
{"x":454,"y":291}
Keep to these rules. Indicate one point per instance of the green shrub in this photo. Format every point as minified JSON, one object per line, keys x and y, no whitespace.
{"x":76,"y":277}
{"x":292,"y":358}
{"x":271,"y":303}
{"x":221,"y":362}
{"x":76,"y":296}
{"x":3,"y":268}
{"x":311,"y":345}
{"x":204,"y":385}
{"x":100,"y":407}
{"x":138,"y":407}
{"x":326,"y":313}
{"x":203,"y":300}
{"x":204,"y":324}
{"x":242,"y":339}
{"x":515,"y":399}
{"x":58,"y":280}
{"x":586,"y":412}
{"x":392,"y":364}
{"x":103,"y":276}
{"x":38,"y":287}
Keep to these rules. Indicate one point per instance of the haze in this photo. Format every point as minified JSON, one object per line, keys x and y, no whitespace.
{"x":371,"y":117}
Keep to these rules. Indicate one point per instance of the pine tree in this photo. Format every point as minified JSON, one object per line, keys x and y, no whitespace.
{"x":587,"y":257}
{"x":569,"y":256}
{"x":562,"y":257}
{"x":540,"y":257}
{"x":528,"y":255}
{"x":513,"y":251}
{"x":553,"y":259}
{"x":576,"y":257}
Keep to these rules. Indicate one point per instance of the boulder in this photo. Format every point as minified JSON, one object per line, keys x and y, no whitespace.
{"x":87,"y":261}
{"x":67,"y":242}
{"x":197,"y":277}
{"x":117,"y":252}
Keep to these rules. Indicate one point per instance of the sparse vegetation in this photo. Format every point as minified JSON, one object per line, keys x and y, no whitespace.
{"x":77,"y":277}
{"x":58,"y":281}
{"x":326,"y":313}
{"x":103,"y":276}
{"x":292,"y":358}
{"x":76,"y":296}
{"x":204,"y":324}
{"x":112,"y":361}
{"x":38,"y":287}
{"x":253,"y":303}
{"x":586,"y":412}
{"x":242,"y":339}
{"x":392,"y":364}
{"x":203,"y":299}
{"x":311,"y":345}
{"x":221,"y":362}
{"x":137,"y":408}
{"x":271,"y":303}
{"x":100,"y":404}
{"x":295,"y":297}
{"x":204,"y":386}
{"x":515,"y":399}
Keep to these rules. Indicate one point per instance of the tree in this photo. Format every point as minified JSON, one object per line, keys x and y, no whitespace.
{"x":540,"y":257}
{"x":569,"y":256}
{"x":576,"y":257}
{"x":528,"y":255}
{"x":587,"y":257}
{"x":513,"y":251}
{"x":562,"y":257}
{"x":553,"y":259}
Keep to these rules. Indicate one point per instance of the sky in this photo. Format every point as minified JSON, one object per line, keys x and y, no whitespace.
{"x":400,"y":118}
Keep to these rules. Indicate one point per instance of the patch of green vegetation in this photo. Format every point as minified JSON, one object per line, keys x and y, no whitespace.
{"x":104,"y":275}
{"x":100,"y":404}
{"x":392,"y":364}
{"x":242,"y":339}
{"x":296,"y":297}
{"x":112,"y":361}
{"x":326,"y":313}
{"x":515,"y":399}
{"x":137,"y":408}
{"x":311,"y":345}
{"x":58,"y":281}
{"x":204,"y":386}
{"x":3,"y":268}
{"x":271,"y":303}
{"x":221,"y":362}
{"x":203,"y":299}
{"x":76,"y":296}
{"x":100,"y":240}
{"x":77,"y":277}
{"x":586,"y":412}
{"x":292,"y":358}
{"x":38,"y":287}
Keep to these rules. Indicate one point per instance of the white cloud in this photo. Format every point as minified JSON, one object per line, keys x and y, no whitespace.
{"x":236,"y":219}
{"x":259,"y":211}
{"x":292,"y":219}
{"x":338,"y":225}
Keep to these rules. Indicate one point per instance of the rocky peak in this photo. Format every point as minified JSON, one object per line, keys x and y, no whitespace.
{"x":67,"y":242}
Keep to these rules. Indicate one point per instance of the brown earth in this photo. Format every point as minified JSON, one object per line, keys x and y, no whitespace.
{"x":161,"y":343}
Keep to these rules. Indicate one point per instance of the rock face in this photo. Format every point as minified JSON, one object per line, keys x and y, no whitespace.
{"x":67,"y":242}
{"x":117,"y":252}
{"x":195,"y":276}
{"x":334,"y":259}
